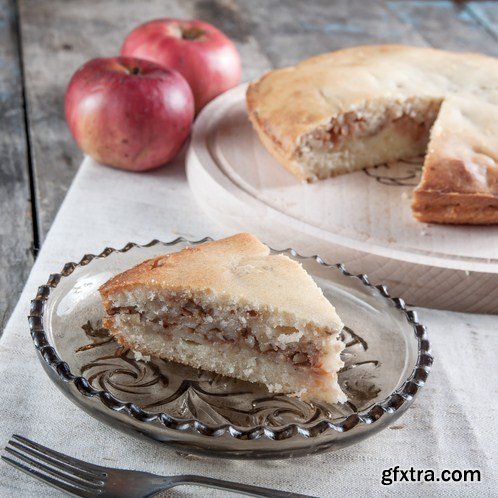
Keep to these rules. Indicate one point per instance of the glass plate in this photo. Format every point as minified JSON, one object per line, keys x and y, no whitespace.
{"x":387,"y":360}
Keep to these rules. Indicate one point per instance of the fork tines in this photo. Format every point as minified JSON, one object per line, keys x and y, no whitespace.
{"x":61,"y":471}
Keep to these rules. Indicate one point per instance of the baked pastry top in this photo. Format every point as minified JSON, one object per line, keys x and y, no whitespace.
{"x":231,"y":307}
{"x":364,"y":106}
{"x":236,"y":268}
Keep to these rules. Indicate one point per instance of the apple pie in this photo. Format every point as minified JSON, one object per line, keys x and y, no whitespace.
{"x":364,"y":106}
{"x":232,"y":308}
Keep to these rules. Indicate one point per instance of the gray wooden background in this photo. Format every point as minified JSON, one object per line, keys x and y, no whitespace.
{"x":42,"y":42}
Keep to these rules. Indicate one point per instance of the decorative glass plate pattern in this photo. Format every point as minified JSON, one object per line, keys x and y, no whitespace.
{"x":387,"y":360}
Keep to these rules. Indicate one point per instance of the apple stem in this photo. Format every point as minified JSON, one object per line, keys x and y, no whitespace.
{"x":135,"y":70}
{"x":192,"y":33}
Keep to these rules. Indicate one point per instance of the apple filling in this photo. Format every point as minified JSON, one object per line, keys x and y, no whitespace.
{"x":248,"y":329}
{"x":378,"y":132}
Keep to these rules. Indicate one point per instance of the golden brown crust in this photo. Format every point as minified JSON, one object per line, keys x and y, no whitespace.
{"x":455,"y":208}
{"x":263,"y":125}
{"x":273,"y":146}
{"x":239,"y":269}
{"x":161,"y":270}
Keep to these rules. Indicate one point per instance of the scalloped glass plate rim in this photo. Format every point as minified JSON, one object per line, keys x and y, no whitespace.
{"x":397,"y":402}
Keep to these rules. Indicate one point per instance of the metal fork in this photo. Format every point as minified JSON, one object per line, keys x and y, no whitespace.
{"x":85,"y":479}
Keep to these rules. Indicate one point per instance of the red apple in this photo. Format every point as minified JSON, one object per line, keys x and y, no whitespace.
{"x":129,"y":113}
{"x":206,"y":58}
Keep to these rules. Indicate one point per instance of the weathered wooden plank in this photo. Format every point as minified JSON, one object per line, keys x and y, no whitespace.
{"x":227,"y":16}
{"x":58,"y":36}
{"x":289,"y":31}
{"x":446,"y":25}
{"x":486,"y":13}
{"x":16,"y":232}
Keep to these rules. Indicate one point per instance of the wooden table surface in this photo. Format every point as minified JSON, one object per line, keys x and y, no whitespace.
{"x":42,"y":42}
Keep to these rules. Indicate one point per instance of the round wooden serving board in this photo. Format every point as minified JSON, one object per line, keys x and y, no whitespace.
{"x":361,"y":219}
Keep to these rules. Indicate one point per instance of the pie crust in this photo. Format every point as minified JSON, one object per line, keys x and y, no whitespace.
{"x":363,"y":106}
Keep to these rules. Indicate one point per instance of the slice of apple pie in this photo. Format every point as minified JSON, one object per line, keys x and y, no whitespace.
{"x":232,"y":308}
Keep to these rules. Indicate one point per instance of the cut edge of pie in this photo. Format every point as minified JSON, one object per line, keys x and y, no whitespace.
{"x":232,"y":308}
{"x":318,"y":135}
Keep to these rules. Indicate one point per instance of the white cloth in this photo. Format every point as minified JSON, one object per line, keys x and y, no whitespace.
{"x":452,"y":424}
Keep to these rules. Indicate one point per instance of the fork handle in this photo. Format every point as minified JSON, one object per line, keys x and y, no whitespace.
{"x":245,"y":489}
